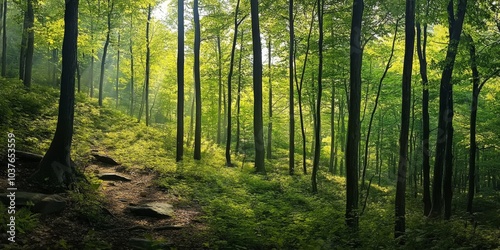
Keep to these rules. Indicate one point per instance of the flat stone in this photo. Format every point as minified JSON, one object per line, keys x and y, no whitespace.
{"x":113,"y":177}
{"x":153,"y":209}
{"x":38,"y":203}
{"x":105,"y":159}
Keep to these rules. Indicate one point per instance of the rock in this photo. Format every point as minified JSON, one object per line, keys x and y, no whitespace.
{"x":153,"y":209}
{"x":138,"y":243}
{"x":113,"y":177}
{"x":105,"y":159}
{"x":40,"y":203}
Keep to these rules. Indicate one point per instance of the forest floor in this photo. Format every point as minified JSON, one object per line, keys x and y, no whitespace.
{"x":113,"y":227}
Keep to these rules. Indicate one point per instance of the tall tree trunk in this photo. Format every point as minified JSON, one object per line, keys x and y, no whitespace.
{"x":257,"y":88}
{"x":331,"y":165}
{"x":299,"y":89}
{"x":91,"y":77}
{"x":146,"y":87}
{"x":30,"y":46}
{"x":197,"y":82}
{"x":105,"y":52}
{"x":238,"y":98}
{"x":426,"y":167}
{"x":117,"y":69}
{"x":219,"y":106}
{"x":317,"y":128}
{"x":4,"y":39}
{"x":444,"y":91}
{"x":400,"y":213}
{"x":131,"y":68}
{"x":180,"y":81}
{"x":56,"y":168}
{"x":291,"y":131}
{"x":353,"y":129}
{"x":229,"y":85}
{"x":448,"y":168}
{"x":270,"y":107}
{"x":24,"y":42}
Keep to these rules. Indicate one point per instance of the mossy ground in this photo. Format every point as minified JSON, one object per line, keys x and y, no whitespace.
{"x":240,"y":209}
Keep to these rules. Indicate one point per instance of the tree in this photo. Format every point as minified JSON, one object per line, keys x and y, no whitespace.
{"x":353,"y":129}
{"x":197,"y":82}
{"x":180,"y":81}
{"x":317,"y":118}
{"x":110,"y":6}
{"x":455,"y":28}
{"x":56,"y":168}
{"x":257,"y":88}
{"x":400,"y":207}
{"x":291,"y":49}
{"x":27,"y":45}
{"x":229,"y":84}
{"x":148,"y":59}
{"x":422,"y":58}
{"x":4,"y":39}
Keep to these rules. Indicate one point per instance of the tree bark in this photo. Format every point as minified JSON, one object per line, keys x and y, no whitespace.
{"x":30,"y":46}
{"x":238,"y":98}
{"x":197,"y":82}
{"x":270,"y":106}
{"x":4,"y":39}
{"x":445,"y":86}
{"x":146,"y":87}
{"x":317,"y":128}
{"x":219,"y":106}
{"x":117,"y":69}
{"x":131,"y":67}
{"x":353,"y":129}
{"x":400,"y":225}
{"x":291,"y":131}
{"x":422,"y":57}
{"x":56,"y":168}
{"x":257,"y":88}
{"x":105,"y":52}
{"x":180,"y":81}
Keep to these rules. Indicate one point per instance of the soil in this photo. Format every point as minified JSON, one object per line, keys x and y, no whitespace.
{"x":70,"y":230}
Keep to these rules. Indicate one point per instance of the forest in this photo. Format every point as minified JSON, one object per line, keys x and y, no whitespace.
{"x":229,"y":124}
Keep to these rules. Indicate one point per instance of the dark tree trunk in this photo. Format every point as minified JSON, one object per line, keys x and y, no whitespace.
{"x":91,"y":74}
{"x":448,"y":170}
{"x":456,"y":30}
{"x":257,"y":88}
{"x":317,"y":128}
{"x":353,"y":129}
{"x":24,"y":44}
{"x":30,"y":46}
{"x":400,"y":226}
{"x":117,"y":69}
{"x":473,"y":117}
{"x":146,"y":87}
{"x":56,"y":168}
{"x":219,"y":106}
{"x":238,"y":98}
{"x":426,"y":167}
{"x":132,"y":97}
{"x":105,"y":52}
{"x":180,"y":81}
{"x":197,"y":82}
{"x":291,"y":131}
{"x":270,"y":107}
{"x":4,"y":39}
{"x":331,"y":166}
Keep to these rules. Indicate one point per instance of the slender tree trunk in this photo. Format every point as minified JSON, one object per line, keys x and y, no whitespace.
{"x":30,"y":46}
{"x":353,"y":129}
{"x":257,"y":88}
{"x":422,"y":57}
{"x":270,"y":107}
{"x":229,"y":85}
{"x":56,"y":168}
{"x":291,"y":131}
{"x":317,"y":128}
{"x":455,"y":31}
{"x":105,"y":52}
{"x":146,"y":93}
{"x":238,"y":98}
{"x":473,"y":117}
{"x":331,"y":165}
{"x":197,"y":82}
{"x":4,"y":39}
{"x":132,"y":97}
{"x":180,"y":81}
{"x":78,"y":75}
{"x":24,"y":44}
{"x":117,"y":69}
{"x":91,"y":87}
{"x":219,"y":106}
